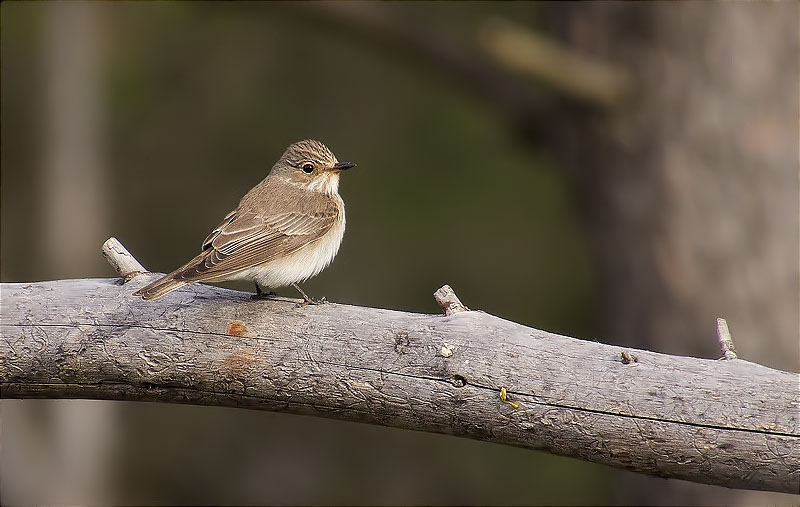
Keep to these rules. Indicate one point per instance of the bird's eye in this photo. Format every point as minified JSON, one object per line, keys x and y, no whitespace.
{"x":308,"y":168}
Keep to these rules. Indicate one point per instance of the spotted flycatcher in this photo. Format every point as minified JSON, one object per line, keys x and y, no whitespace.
{"x":285,"y":230}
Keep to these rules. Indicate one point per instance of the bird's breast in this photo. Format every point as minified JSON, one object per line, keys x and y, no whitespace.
{"x":305,"y":262}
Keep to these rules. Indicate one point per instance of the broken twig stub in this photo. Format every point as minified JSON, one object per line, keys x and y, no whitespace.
{"x":448,"y":300}
{"x":725,"y":341}
{"x":121,"y":259}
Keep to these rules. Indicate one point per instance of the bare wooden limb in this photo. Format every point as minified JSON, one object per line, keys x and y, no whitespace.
{"x":725,"y":341}
{"x":663,"y":415}
{"x":730,"y":423}
{"x":448,"y":301}
{"x":121,"y":259}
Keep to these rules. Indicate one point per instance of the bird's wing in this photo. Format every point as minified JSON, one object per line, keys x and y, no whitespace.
{"x":225,"y":222}
{"x":246,"y":238}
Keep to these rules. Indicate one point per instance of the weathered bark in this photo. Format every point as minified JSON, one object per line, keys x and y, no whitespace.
{"x":730,"y":423}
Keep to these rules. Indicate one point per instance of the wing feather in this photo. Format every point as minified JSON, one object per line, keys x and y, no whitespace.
{"x":246,"y":239}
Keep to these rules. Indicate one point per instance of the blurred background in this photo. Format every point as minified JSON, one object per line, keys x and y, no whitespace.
{"x":620,"y":172}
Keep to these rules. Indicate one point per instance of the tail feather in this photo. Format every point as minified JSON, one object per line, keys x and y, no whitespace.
{"x":160,"y":287}
{"x":172,"y":281}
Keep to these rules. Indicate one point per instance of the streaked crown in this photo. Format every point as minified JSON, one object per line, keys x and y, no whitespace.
{"x":308,"y":151}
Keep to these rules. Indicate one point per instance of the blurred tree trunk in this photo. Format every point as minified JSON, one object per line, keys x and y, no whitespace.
{"x":74,"y":175}
{"x":690,"y":191}
{"x":75,"y":439}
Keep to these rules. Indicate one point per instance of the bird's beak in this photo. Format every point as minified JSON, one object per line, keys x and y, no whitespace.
{"x":341,"y":166}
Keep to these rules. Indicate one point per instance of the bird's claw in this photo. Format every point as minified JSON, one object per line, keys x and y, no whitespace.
{"x":263,"y":295}
{"x":309,"y":301}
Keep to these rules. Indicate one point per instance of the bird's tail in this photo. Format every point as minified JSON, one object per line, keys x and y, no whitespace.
{"x":189,"y":272}
{"x":160,"y":287}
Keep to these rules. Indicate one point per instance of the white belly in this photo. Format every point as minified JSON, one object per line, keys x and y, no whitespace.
{"x":302,"y":264}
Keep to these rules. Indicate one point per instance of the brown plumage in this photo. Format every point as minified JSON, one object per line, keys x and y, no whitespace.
{"x":285,"y":230}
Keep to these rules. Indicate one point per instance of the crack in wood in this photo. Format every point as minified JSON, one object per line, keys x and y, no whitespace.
{"x":456,"y":380}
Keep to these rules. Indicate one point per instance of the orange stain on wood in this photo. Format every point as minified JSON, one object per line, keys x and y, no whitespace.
{"x":242,"y":361}
{"x":236,"y":328}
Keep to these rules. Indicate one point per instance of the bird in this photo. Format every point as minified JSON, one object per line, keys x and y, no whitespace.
{"x":285,"y":230}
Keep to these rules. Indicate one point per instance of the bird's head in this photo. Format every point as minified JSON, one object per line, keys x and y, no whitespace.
{"x":312,"y":165}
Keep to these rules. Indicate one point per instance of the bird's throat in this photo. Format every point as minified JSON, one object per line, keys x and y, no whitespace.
{"x":327,"y":183}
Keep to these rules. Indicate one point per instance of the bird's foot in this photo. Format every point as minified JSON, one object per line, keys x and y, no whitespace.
{"x":309,"y":301}
{"x":306,"y":299}
{"x":260,"y":294}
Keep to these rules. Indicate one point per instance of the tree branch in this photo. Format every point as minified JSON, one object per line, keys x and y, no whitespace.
{"x":725,"y":341}
{"x":447,"y":299}
{"x":589,"y":80}
{"x":730,"y":423}
{"x":121,"y":259}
